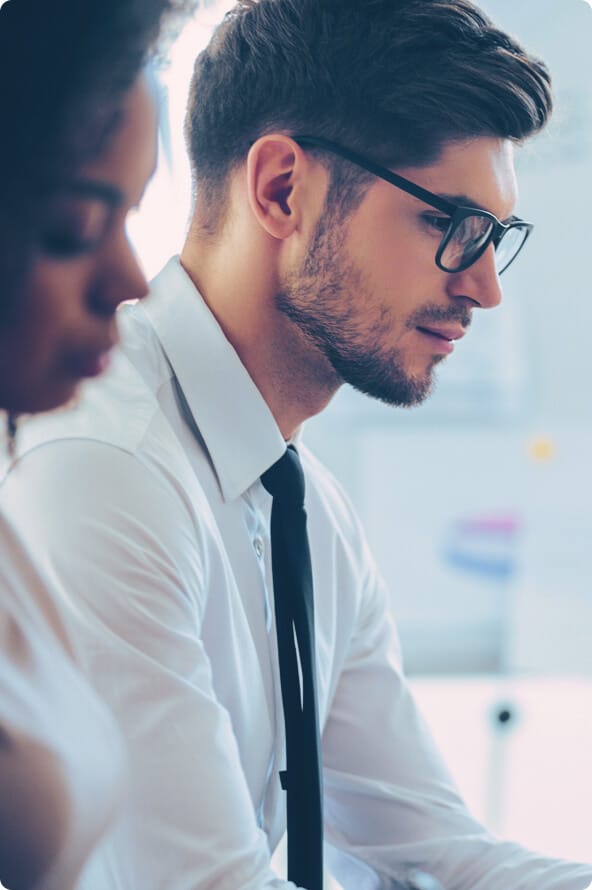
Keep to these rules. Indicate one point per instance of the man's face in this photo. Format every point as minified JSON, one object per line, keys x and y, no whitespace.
{"x":368,"y":296}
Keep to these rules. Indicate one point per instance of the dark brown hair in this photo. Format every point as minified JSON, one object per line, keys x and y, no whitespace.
{"x":65,"y":66}
{"x":393,"y":79}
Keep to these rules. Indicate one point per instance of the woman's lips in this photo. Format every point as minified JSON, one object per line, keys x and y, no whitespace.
{"x":89,"y":364}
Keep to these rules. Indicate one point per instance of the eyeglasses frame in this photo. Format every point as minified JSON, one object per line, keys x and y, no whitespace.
{"x":456,"y":212}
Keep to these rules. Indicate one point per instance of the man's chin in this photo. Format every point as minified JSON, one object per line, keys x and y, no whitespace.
{"x":407,"y":393}
{"x":386,"y":379}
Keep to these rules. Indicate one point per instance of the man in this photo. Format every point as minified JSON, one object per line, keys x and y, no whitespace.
{"x":354,"y":199}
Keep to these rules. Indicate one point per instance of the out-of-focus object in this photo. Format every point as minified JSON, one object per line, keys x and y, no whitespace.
{"x":421,"y":880}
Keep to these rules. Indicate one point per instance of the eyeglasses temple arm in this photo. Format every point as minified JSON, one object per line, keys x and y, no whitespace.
{"x":384,"y":173}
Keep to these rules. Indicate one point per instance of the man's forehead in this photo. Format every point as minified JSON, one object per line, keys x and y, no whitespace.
{"x":477,"y":172}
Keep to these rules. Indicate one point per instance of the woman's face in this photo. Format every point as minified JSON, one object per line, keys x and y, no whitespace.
{"x":82,"y":268}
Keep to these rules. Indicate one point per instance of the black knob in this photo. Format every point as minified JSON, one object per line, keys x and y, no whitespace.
{"x":504,"y":716}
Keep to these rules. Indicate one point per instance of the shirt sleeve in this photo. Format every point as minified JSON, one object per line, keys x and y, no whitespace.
{"x":390,"y":802}
{"x":131,"y":562}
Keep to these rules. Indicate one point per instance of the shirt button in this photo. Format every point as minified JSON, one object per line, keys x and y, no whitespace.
{"x":258,"y":545}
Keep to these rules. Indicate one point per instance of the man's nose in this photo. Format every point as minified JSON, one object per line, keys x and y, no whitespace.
{"x":480,"y":283}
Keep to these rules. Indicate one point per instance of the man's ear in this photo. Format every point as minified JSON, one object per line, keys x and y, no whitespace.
{"x":275,"y":166}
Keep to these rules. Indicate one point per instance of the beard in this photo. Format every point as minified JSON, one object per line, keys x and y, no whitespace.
{"x":328,"y":299}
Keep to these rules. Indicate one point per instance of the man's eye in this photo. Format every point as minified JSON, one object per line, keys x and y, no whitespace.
{"x":439,"y":224}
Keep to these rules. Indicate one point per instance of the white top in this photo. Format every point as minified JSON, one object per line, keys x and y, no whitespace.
{"x":45,"y":700}
{"x":149,"y":508}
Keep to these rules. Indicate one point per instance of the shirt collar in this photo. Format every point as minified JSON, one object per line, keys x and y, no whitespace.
{"x":237,"y":426}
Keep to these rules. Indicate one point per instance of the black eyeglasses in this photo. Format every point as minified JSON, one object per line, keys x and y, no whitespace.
{"x":468,"y":230}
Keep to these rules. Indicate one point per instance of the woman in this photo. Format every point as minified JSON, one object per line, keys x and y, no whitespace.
{"x":77,"y":147}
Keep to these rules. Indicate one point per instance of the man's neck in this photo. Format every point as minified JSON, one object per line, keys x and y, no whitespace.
{"x":295,"y":381}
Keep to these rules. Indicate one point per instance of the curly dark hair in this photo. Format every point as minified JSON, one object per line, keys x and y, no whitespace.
{"x":65,"y":66}
{"x":392,"y":79}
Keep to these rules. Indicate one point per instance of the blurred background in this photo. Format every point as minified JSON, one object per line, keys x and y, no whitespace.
{"x":478,"y":505}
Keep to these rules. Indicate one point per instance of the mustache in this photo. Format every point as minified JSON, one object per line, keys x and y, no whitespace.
{"x":455,"y":315}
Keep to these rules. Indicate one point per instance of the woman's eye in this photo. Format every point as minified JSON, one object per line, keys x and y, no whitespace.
{"x":64,"y":244}
{"x":438,"y":224}
{"x":73,"y":228}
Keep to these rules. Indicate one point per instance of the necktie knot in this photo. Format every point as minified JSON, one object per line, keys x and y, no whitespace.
{"x":285,"y":479}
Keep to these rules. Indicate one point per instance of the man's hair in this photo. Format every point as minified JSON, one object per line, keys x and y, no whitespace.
{"x":393,"y":79}
{"x":65,"y":66}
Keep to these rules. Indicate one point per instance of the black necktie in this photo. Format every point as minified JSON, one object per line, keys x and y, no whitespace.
{"x":294,"y":616}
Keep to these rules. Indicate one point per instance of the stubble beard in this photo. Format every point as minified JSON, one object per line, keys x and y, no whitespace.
{"x":325,"y":300}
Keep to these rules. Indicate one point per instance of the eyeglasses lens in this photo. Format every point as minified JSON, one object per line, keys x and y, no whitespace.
{"x":508,"y":246}
{"x":465,"y":242}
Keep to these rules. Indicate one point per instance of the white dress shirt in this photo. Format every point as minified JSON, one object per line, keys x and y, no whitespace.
{"x":45,"y":701}
{"x":149,"y":509}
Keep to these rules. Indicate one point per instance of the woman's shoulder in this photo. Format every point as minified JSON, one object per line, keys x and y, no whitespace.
{"x":61,"y":755}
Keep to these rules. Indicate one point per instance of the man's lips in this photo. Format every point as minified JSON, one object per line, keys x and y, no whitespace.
{"x":443,"y":330}
{"x":441,"y":335}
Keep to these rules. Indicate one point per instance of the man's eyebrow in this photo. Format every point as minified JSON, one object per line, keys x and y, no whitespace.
{"x":94,"y":190}
{"x":462,"y":200}
{"x":467,"y":201}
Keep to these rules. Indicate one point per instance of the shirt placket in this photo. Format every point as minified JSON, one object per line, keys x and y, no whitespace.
{"x":258,"y":517}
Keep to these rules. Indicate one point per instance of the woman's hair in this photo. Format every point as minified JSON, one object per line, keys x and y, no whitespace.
{"x":65,"y":66}
{"x":393,"y":79}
